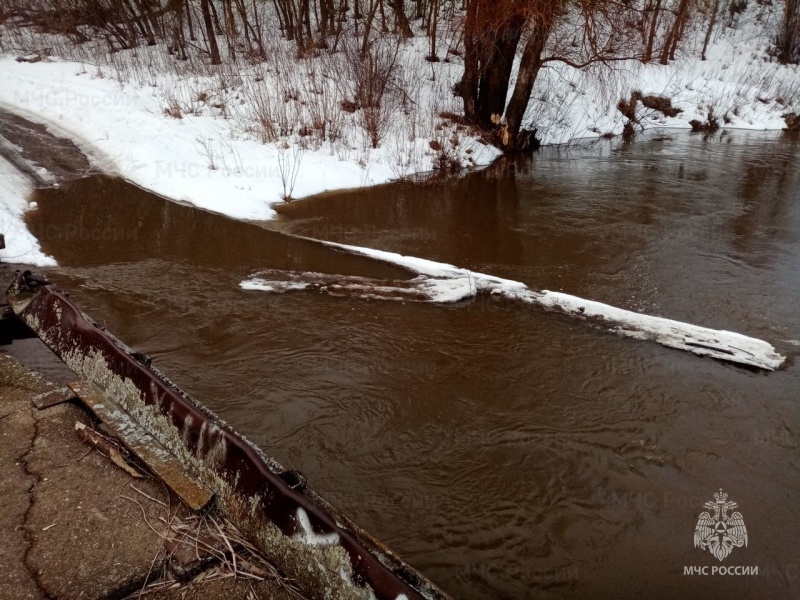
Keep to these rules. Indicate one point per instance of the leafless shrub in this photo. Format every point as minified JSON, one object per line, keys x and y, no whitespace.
{"x":261,"y":117}
{"x":173,"y":109}
{"x":272,"y":108}
{"x":290,"y":155}
{"x":446,"y":148}
{"x":711,"y":123}
{"x":205,"y":147}
{"x":319,"y":92}
{"x":230,"y":148}
{"x":792,"y":121}
{"x":661,"y":104}
{"x":369,"y":72}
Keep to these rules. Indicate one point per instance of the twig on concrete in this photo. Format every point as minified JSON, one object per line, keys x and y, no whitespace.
{"x":227,"y":542}
{"x":214,"y":538}
{"x":149,"y":497}
{"x":106,"y":446}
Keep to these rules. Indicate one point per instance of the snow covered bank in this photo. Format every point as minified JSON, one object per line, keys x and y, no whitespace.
{"x":21,"y":246}
{"x":205,"y":157}
{"x":441,"y":283}
{"x":740,"y":84}
{"x":237,"y":138}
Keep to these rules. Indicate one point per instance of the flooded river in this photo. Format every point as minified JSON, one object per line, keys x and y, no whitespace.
{"x":504,"y":451}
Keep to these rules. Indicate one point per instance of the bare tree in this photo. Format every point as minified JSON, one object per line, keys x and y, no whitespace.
{"x":213,"y":49}
{"x":711,"y":22}
{"x":789,"y":39}
{"x":596,"y":32}
{"x":401,"y":19}
{"x":653,"y":11}
{"x":675,"y":33}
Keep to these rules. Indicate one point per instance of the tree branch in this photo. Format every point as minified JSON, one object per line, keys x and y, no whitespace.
{"x":591,"y":61}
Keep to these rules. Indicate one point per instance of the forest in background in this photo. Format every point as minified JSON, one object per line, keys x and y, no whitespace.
{"x":304,"y":71}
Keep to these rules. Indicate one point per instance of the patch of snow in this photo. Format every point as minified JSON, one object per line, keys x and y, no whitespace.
{"x":21,"y":246}
{"x":309,"y":536}
{"x":276,"y":287}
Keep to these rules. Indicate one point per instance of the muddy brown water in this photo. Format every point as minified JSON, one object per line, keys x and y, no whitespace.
{"x":505,"y":452}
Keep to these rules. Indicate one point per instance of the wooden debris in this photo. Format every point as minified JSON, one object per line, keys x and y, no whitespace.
{"x":106,"y":446}
{"x":143,"y":445}
{"x":53,"y":397}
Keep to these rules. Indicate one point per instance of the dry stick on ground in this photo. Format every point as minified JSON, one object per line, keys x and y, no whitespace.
{"x":159,"y":534}
{"x":162,"y":534}
{"x":106,"y":446}
{"x":241,"y":560}
{"x":156,"y":500}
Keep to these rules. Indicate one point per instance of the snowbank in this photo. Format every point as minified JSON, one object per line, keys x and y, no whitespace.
{"x":740,"y":84}
{"x":201,"y":158}
{"x":208,"y":153}
{"x":21,"y":246}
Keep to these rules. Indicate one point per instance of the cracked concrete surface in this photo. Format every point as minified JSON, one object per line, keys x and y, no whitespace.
{"x":77,"y":529}
{"x":17,"y":430}
{"x":71,"y":524}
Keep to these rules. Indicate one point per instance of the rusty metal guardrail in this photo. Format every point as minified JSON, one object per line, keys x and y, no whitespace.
{"x":306,"y":537}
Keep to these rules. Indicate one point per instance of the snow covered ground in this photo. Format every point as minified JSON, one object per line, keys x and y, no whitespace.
{"x":213,"y":153}
{"x":204,"y":157}
{"x":739,"y":83}
{"x":21,"y":246}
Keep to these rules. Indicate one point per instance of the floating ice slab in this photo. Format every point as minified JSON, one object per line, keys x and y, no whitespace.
{"x":441,"y":282}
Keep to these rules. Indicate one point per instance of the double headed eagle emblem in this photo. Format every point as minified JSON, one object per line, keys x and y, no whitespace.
{"x":720,"y":533}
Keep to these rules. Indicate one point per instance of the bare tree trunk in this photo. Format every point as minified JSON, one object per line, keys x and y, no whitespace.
{"x":671,"y":43}
{"x":434,"y":25}
{"x":495,"y":73}
{"x":217,"y":26}
{"x":258,"y":32}
{"x":384,"y":27}
{"x":651,"y":36}
{"x":711,"y":23}
{"x":790,"y":37}
{"x":373,"y":8}
{"x":467,"y":88}
{"x":684,"y":19}
{"x":341,"y":17}
{"x":400,"y":17}
{"x":150,"y":18}
{"x":530,"y":65}
{"x":326,"y":25}
{"x":130,"y":21}
{"x":178,"y":35}
{"x":252,"y":31}
{"x":230,"y":28}
{"x":189,"y":21}
{"x":280,"y":11}
{"x":212,"y":40}
{"x":306,"y":17}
